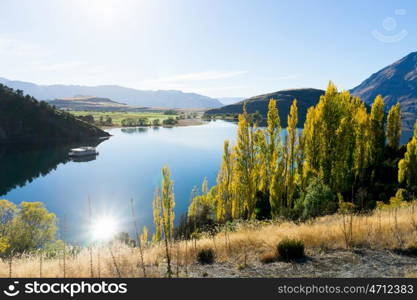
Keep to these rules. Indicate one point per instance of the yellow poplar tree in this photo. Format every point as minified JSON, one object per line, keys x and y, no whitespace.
{"x":290,"y":149}
{"x":361,"y":150}
{"x":168,"y":203}
{"x":245,"y":173}
{"x":224,"y":178}
{"x":377,"y":136}
{"x":407,"y":167}
{"x":157,"y":220}
{"x":394,"y":126}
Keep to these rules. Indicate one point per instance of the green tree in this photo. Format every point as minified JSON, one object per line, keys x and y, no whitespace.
{"x":168,"y":204}
{"x":157,"y":219}
{"x":244,"y":204}
{"x":407,"y":167}
{"x":32,"y":227}
{"x":290,"y":153}
{"x":224,"y":178}
{"x":377,"y":136}
{"x":319,"y":199}
{"x":394,"y":126}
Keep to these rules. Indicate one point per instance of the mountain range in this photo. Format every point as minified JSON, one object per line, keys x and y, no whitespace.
{"x":129,"y":96}
{"x":395,"y":83}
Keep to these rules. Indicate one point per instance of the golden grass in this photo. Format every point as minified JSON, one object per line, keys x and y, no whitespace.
{"x":388,"y":229}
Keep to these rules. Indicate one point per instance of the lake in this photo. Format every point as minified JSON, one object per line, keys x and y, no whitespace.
{"x":128,"y":167}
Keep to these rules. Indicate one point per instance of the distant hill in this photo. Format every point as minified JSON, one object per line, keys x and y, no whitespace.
{"x":305,"y":98}
{"x":23,"y":119}
{"x":161,"y":98}
{"x":396,"y":82}
{"x":89,"y":103}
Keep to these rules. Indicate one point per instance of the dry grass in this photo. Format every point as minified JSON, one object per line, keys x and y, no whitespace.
{"x":389,"y":229}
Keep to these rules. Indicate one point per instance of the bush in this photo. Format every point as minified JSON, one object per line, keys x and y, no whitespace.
{"x":290,"y":249}
{"x":319,"y":200}
{"x":205,"y":256}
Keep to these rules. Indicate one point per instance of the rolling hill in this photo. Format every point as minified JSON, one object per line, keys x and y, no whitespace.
{"x":89,"y":103}
{"x":396,"y":82}
{"x":305,"y":98}
{"x":23,"y":119}
{"x":129,"y":96}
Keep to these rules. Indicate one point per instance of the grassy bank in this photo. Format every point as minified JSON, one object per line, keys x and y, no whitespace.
{"x":117,"y":117}
{"x":183,"y":118}
{"x":390,"y":229}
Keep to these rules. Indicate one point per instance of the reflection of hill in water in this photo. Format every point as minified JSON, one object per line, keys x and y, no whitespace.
{"x":21,"y":164}
{"x":134,"y":130}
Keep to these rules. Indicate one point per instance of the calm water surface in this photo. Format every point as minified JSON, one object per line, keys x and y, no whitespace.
{"x":128,"y":166}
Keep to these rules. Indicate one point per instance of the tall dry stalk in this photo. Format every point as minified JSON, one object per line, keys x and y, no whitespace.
{"x":178,"y":259}
{"x":347,"y":229}
{"x":167,"y":250}
{"x":64,"y":246}
{"x":10,"y":264}
{"x":137,"y":238}
{"x":98,"y":261}
{"x":90,"y":250}
{"x":186,"y":251}
{"x":40,"y":263}
{"x":114,"y":262}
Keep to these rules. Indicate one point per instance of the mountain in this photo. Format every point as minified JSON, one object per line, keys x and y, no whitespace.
{"x":305,"y":98}
{"x":160,"y":98}
{"x":23,"y":119}
{"x":230,"y":100}
{"x":89,"y":103}
{"x":396,"y":82}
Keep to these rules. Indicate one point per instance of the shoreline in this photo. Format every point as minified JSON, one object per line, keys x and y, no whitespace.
{"x":181,"y":123}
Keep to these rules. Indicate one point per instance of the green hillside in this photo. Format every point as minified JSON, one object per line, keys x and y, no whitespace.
{"x":305,"y":99}
{"x":24,"y":119}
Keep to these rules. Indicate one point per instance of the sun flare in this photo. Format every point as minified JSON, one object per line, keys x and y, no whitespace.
{"x":104,"y":228}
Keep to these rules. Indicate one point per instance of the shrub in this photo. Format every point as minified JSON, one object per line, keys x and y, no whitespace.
{"x":290,"y":249}
{"x":205,"y":256}
{"x":319,"y":200}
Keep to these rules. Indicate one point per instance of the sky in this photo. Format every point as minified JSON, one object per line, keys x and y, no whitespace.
{"x":218,"y":48}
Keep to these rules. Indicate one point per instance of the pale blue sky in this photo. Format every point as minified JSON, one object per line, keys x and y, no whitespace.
{"x":213,"y":47}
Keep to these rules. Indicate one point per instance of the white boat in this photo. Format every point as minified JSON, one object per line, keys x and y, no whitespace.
{"x":83,"y":151}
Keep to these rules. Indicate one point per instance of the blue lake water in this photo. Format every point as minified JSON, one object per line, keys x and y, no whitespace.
{"x":128,"y":167}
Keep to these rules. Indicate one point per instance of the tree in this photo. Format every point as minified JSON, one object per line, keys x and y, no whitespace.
{"x":168,"y":204}
{"x":109,"y":121}
{"x":377,"y":136}
{"x":394,"y":126}
{"x":407,"y":167}
{"x":144,"y":237}
{"x":32,"y":227}
{"x":319,"y":200}
{"x":157,"y":220}
{"x":7,"y":213}
{"x":362,"y":145}
{"x":224,"y":178}
{"x":290,"y":153}
{"x":244,"y":204}
{"x":272,"y":148}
